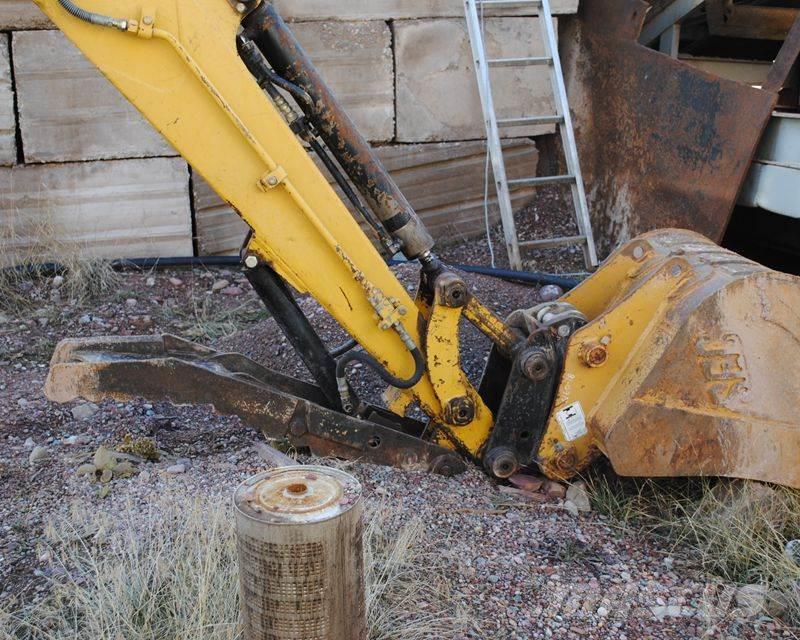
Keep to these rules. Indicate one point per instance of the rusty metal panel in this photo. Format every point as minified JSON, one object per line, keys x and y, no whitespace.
{"x":662,"y":144}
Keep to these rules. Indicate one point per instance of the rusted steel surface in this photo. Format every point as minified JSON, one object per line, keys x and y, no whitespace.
{"x":661,"y":144}
{"x":168,"y":368}
{"x":698,"y":377}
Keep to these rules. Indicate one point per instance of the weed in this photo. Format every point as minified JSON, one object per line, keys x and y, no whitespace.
{"x":734,"y":529}
{"x":171,"y":573}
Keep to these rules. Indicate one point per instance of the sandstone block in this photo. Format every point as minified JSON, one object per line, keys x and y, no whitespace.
{"x":395,"y":9}
{"x":116,"y":209}
{"x":22,"y":14}
{"x":69,"y":111}
{"x":437,"y":91}
{"x":8,"y":124}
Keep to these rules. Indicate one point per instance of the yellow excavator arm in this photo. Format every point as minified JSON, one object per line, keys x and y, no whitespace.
{"x":565,"y":381}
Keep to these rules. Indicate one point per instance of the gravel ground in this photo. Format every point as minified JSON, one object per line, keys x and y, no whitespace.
{"x":526,"y":568}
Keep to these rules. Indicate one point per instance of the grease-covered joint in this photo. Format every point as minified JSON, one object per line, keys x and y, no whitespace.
{"x":286,"y":56}
{"x":451,"y":291}
{"x":535,"y":364}
{"x":460,"y":411}
{"x":501,"y":462}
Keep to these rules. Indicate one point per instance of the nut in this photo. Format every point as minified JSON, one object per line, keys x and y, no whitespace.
{"x":501,"y":462}
{"x":452,"y":290}
{"x":251,"y":261}
{"x":460,"y":411}
{"x":594,"y":354}
{"x":535,"y":365}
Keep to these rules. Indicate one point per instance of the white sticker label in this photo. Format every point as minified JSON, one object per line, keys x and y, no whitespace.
{"x":572,"y":421}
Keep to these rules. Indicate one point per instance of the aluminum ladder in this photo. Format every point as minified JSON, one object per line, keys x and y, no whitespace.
{"x":562,"y":119}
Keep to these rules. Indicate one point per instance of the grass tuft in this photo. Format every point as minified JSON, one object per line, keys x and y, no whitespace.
{"x":171,"y":574}
{"x":734,"y":529}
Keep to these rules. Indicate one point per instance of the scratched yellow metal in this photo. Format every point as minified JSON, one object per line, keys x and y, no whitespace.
{"x":449,"y":380}
{"x":179,"y":66}
{"x":701,"y":349}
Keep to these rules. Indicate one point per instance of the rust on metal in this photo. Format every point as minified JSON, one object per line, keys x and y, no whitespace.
{"x":662,"y":144}
{"x":287,"y":57}
{"x":698,"y":342}
{"x":169,"y":368}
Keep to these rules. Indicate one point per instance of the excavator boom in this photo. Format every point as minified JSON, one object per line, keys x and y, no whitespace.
{"x":663,"y":360}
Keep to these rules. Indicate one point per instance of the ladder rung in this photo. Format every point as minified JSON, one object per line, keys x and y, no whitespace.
{"x":549,"y":243}
{"x":522,"y":122}
{"x":510,"y":4}
{"x":519,"y":62}
{"x":543,"y":180}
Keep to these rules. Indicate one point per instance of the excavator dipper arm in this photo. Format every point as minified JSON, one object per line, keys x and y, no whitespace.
{"x":667,"y":360}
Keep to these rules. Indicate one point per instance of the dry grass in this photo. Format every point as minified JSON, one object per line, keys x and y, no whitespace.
{"x":736,"y":530}
{"x":171,"y":574}
{"x":84,"y":277}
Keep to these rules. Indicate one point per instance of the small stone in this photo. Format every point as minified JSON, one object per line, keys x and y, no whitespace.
{"x":84,"y":411}
{"x":175,"y":282}
{"x":751,"y":599}
{"x":602,"y":612}
{"x":131,"y":302}
{"x":85,"y":319}
{"x":666,"y":611}
{"x":555,"y":490}
{"x":57,"y":282}
{"x":185,"y":462}
{"x":219,"y":285}
{"x":150,"y":282}
{"x":4,"y":319}
{"x":232,"y":291}
{"x":579,"y":496}
{"x":550,"y":292}
{"x":176,"y":469}
{"x":37,"y":455}
{"x":792,"y":551}
{"x":571,"y":508}
{"x":29,"y":444}
{"x":526,"y":482}
{"x":22,"y":402}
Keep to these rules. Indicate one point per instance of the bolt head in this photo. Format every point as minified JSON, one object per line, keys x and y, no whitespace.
{"x":272,"y":181}
{"x":241,"y":7}
{"x":460,"y":411}
{"x":535,"y":365}
{"x":148,"y":20}
{"x":594,"y":354}
{"x":251,"y":262}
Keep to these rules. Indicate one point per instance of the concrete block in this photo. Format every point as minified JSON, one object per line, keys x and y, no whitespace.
{"x":22,"y":14}
{"x":437,"y":92}
{"x":355,"y":59}
{"x":395,"y":9}
{"x":220,"y":230}
{"x":69,"y":111}
{"x":116,"y":209}
{"x":8,"y":123}
{"x":444,"y":182}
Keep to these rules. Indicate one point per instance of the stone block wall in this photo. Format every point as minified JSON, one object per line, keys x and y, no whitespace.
{"x":79,"y":165}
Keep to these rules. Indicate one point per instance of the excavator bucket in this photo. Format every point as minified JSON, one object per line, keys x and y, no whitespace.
{"x":687,"y":367}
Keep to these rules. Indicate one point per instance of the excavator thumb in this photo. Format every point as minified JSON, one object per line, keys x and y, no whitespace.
{"x":169,"y":368}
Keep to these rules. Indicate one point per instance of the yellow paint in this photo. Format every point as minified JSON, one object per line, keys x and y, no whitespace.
{"x":449,"y":380}
{"x":601,"y":389}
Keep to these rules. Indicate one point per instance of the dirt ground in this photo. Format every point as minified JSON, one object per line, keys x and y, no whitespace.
{"x":523,"y":569}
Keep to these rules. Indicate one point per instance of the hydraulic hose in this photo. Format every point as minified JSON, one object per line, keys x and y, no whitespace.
{"x":388,"y":378}
{"x":93,"y":18}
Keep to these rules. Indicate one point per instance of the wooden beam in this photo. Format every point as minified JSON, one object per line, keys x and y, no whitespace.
{"x":748,"y":21}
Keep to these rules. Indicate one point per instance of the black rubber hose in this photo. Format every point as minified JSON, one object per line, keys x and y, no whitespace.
{"x":527,"y":277}
{"x":93,"y":18}
{"x":343,"y":348}
{"x":388,"y":378}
